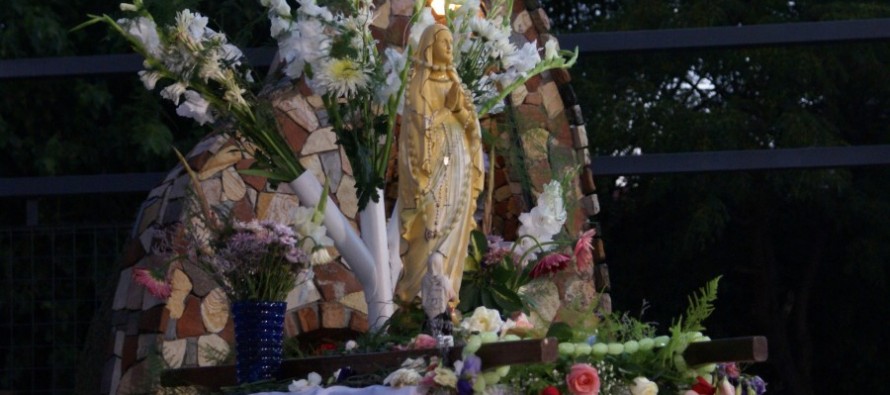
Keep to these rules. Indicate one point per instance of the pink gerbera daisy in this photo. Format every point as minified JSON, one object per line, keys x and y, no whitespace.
{"x":154,"y":281}
{"x":550,"y":264}
{"x":584,"y":250}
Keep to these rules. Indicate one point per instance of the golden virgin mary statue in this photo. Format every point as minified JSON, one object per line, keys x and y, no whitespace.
{"x":440,"y":173}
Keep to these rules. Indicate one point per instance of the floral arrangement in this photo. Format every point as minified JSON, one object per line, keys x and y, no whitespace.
{"x":260,"y":260}
{"x":496,"y":270}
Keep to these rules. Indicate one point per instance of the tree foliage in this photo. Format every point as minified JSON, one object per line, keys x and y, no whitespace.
{"x":797,"y":247}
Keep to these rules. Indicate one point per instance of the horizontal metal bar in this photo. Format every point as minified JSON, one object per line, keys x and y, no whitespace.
{"x":715,"y":161}
{"x":730,"y":36}
{"x":687,"y":162}
{"x":73,"y":66}
{"x":587,"y":43}
{"x":79,"y":185}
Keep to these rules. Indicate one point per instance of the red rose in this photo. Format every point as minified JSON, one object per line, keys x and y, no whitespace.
{"x":583,"y":380}
{"x":703,"y":387}
{"x":550,"y":390}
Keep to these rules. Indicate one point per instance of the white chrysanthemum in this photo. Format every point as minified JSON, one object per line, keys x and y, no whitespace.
{"x":149,"y":78}
{"x":196,"y":107}
{"x":487,"y":30}
{"x":173,"y":92}
{"x":524,"y":59}
{"x":425,"y":20}
{"x":145,"y":31}
{"x":343,"y":77}
{"x":402,"y":377}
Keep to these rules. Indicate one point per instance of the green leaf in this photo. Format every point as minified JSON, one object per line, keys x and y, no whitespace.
{"x":480,"y":245}
{"x":470,"y":297}
{"x":561,"y":331}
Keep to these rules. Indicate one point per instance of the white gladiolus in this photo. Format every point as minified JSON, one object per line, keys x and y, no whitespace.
{"x":149,"y":78}
{"x":195,"y":107}
{"x":310,"y":8}
{"x":174,"y":91}
{"x":425,"y":20}
{"x":551,"y":50}
{"x":145,"y":31}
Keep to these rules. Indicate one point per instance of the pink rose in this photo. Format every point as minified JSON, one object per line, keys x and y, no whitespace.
{"x":423,"y":341}
{"x":522,"y":321}
{"x":583,"y":380}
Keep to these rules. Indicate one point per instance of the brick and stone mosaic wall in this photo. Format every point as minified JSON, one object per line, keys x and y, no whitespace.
{"x":551,"y":137}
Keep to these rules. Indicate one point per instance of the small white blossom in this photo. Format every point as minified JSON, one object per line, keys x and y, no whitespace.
{"x":128,"y":7}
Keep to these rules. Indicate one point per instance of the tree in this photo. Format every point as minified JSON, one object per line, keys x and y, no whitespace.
{"x":792,"y":244}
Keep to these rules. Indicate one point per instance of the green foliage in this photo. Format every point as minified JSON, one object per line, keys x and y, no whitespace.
{"x":494,"y":285}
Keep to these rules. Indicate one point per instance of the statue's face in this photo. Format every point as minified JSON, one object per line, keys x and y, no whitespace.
{"x":442,"y":48}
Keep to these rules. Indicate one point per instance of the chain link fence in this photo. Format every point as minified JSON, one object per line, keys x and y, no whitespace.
{"x":53,"y":280}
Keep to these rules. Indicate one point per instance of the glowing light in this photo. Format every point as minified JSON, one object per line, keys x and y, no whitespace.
{"x":438,"y":6}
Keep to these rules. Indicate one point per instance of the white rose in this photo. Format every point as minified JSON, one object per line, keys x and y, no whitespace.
{"x":483,"y":320}
{"x":642,"y":386}
{"x":402,"y":377}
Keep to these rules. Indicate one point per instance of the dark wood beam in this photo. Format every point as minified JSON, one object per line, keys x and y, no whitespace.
{"x":739,"y":349}
{"x":492,"y":355}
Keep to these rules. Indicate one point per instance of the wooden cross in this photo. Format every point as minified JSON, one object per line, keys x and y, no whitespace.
{"x":741,"y":349}
{"x":492,"y":355}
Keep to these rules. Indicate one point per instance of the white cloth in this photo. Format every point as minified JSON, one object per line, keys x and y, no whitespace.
{"x":339,"y":390}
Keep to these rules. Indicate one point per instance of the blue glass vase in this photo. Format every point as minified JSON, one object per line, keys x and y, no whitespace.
{"x":259,"y":333}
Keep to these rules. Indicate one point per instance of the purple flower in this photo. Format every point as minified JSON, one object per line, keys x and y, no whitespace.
{"x":758,"y":385}
{"x":472,"y":366}
{"x":497,"y":250}
{"x":464,"y":387}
